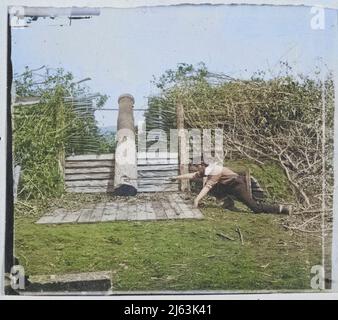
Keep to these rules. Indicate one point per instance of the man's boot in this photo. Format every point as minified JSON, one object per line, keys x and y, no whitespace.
{"x":285,"y":209}
{"x":229,"y":204}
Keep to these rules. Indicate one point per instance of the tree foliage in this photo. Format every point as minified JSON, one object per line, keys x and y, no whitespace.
{"x":62,"y":123}
{"x":286,"y":119}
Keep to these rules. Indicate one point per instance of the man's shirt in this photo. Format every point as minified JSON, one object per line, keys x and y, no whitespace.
{"x":217,"y":174}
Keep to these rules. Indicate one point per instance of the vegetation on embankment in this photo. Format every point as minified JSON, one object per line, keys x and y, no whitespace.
{"x":270,"y":176}
{"x":285,"y":120}
{"x":62,"y":123}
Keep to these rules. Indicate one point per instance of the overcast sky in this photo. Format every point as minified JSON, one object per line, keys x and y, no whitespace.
{"x":122,"y":49}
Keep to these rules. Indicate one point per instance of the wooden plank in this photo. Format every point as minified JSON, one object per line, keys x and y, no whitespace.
{"x":57,"y":216}
{"x":185,"y":210}
{"x":97,"y":214}
{"x":134,"y":209}
{"x":151,"y":215}
{"x":163,"y":167}
{"x":89,"y":170}
{"x":140,"y":207}
{"x":169,"y":210}
{"x":110,"y":212}
{"x":164,"y":188}
{"x":89,"y":176}
{"x":141,"y":188}
{"x":121,"y":214}
{"x":90,"y":183}
{"x":186,"y":207}
{"x":173,"y":204}
{"x":158,"y":155}
{"x":89,"y":164}
{"x":45,"y":219}
{"x":71,"y":217}
{"x":159,"y":210}
{"x":183,"y":145}
{"x":156,"y":161}
{"x":165,"y":207}
{"x":156,"y":181}
{"x":197,"y":214}
{"x":143,"y":214}
{"x":89,"y":157}
{"x":157,"y":174}
{"x":111,"y":216}
{"x":150,"y":189}
{"x":89,"y":189}
{"x":148,"y":182}
{"x":85,"y":215}
{"x":26,"y":101}
{"x":16,"y":179}
{"x":111,"y":205}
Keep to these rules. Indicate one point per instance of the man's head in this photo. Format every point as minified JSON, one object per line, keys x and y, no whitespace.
{"x":206,"y":169}
{"x":200,"y":168}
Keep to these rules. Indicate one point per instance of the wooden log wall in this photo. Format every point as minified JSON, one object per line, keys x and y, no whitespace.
{"x":89,"y":173}
{"x":95,"y":173}
{"x":154,"y":174}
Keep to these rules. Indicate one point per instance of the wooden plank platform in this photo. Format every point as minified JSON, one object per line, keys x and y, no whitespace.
{"x":144,"y":207}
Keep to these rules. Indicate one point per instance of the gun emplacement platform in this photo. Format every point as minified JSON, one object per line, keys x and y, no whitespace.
{"x":143,"y":207}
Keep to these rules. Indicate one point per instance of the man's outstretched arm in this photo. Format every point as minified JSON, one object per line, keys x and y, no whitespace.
{"x":208,"y":185}
{"x":185,"y":176}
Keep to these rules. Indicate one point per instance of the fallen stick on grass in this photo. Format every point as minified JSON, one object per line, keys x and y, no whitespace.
{"x":224,"y":236}
{"x":238,"y":230}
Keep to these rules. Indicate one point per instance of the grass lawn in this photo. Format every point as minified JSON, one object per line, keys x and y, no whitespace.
{"x":174,"y":255}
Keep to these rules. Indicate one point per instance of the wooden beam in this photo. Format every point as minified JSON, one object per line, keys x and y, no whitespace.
{"x":156,"y":181}
{"x":26,"y":101}
{"x":71,"y":171}
{"x":166,"y":167}
{"x":90,"y":183}
{"x":89,"y":164}
{"x":89,"y":189}
{"x":183,"y":146}
{"x":88,"y":176}
{"x":159,"y":188}
{"x":89,"y":157}
{"x":16,"y":179}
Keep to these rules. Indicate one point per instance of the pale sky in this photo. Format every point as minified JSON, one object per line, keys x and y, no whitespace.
{"x":122,"y":49}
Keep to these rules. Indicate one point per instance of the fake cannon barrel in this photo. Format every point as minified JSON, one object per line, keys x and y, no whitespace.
{"x":125,"y":181}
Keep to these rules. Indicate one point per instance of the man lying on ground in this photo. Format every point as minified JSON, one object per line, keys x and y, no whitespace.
{"x":230,"y":183}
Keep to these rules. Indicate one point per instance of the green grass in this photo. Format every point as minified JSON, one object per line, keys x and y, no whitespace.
{"x":174,"y":255}
{"x":270,"y":176}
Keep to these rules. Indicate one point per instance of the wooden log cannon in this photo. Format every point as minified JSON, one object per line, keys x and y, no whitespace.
{"x":125,"y":181}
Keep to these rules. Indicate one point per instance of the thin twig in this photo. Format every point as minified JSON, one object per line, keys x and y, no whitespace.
{"x":224,"y":236}
{"x":238,"y":230}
